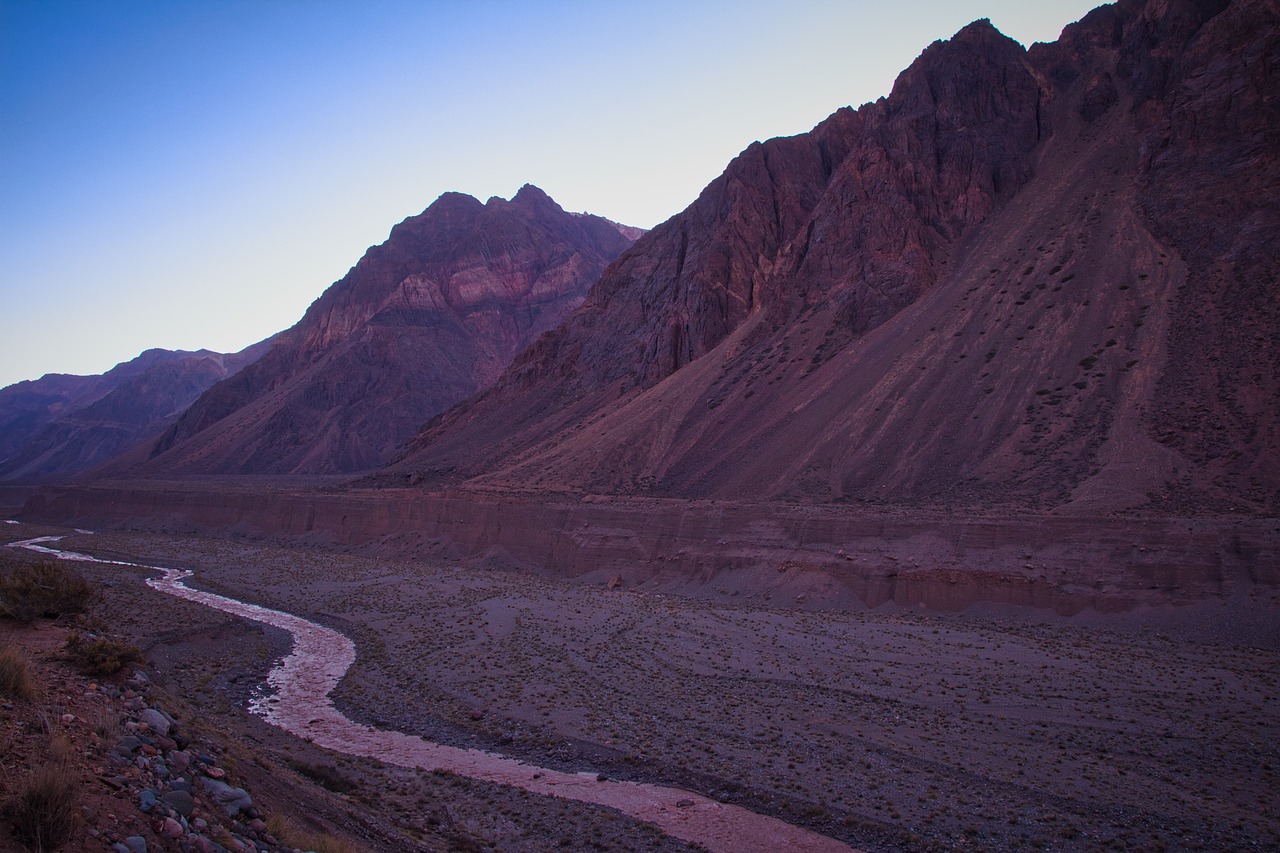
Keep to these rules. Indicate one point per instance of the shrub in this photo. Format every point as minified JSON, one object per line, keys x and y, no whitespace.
{"x":46,"y":588}
{"x":43,"y":815}
{"x":100,"y":655}
{"x":326,"y":774}
{"x":289,"y":832}
{"x":15,"y":674}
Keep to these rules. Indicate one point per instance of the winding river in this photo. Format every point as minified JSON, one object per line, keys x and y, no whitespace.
{"x":297,"y":699}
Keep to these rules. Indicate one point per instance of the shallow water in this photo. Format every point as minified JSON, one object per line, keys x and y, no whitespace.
{"x":297,"y":699}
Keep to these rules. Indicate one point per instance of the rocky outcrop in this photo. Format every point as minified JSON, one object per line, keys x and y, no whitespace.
{"x":1020,"y":281}
{"x":60,"y":425}
{"x":425,"y":319}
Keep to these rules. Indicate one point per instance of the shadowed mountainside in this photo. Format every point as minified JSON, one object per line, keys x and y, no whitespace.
{"x":425,"y":319}
{"x":62,"y":425}
{"x":1024,"y":280}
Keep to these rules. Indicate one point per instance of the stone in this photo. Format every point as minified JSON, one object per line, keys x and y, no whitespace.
{"x":179,"y":761}
{"x":180,"y":801}
{"x":172,"y":828}
{"x":128,"y":745}
{"x":233,"y":800}
{"x":156,"y":720}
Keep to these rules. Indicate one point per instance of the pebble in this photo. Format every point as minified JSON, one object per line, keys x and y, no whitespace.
{"x":148,"y":799}
{"x":135,"y":844}
{"x":172,"y":828}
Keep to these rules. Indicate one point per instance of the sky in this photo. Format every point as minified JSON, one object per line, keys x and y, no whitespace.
{"x":192,"y":175}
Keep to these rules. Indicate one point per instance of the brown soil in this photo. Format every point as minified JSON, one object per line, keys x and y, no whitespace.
{"x":995,"y":728}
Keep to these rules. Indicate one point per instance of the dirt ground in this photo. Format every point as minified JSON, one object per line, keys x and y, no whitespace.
{"x":889,"y":729}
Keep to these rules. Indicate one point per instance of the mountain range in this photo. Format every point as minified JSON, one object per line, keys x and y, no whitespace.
{"x":61,"y":425}
{"x":1025,"y":280}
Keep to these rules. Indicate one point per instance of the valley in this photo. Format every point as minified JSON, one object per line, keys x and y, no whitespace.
{"x":887,"y":728}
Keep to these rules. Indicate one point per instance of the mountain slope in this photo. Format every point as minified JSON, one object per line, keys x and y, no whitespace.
{"x":422,"y":321}
{"x":1022,"y":280}
{"x":61,"y":425}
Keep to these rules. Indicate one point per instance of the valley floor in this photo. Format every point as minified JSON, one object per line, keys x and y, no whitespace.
{"x":889,"y":729}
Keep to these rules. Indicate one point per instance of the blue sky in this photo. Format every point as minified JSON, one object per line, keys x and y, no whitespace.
{"x":190,"y":175}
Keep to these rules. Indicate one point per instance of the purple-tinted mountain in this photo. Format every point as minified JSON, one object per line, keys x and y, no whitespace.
{"x":61,"y":425}
{"x":424,"y":320}
{"x":1023,"y":280}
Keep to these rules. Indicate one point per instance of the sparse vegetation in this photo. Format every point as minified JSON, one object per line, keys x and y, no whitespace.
{"x":295,"y":835}
{"x":326,"y":775}
{"x":15,"y":674}
{"x":43,"y":815}
{"x":44,"y":589}
{"x":99,"y":655}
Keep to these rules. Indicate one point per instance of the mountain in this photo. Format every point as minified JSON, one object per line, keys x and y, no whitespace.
{"x":1025,"y":280}
{"x":422,"y":321}
{"x":61,"y":425}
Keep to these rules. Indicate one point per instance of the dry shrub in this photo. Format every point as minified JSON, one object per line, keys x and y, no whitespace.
{"x":43,"y":814}
{"x":290,"y":833}
{"x":326,"y":774}
{"x":100,"y":655}
{"x":47,"y":589}
{"x":15,"y":674}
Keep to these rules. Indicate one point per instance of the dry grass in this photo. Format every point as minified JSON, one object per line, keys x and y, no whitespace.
{"x":15,"y":675}
{"x":100,"y":655}
{"x":292,"y":834}
{"x":43,"y":814}
{"x":44,"y":589}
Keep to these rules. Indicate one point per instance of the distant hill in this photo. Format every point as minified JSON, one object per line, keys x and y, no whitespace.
{"x":1025,"y":280}
{"x":61,"y":425}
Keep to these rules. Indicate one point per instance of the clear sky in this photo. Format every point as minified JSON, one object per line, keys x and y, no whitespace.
{"x":193,"y":174}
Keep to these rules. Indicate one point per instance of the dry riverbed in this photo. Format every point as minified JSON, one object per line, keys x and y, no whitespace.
{"x":888,"y":730}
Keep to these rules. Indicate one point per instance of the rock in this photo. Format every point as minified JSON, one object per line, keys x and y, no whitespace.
{"x":233,"y":800}
{"x":684,"y":804}
{"x":156,"y":720}
{"x":172,"y":828}
{"x":179,"y":761}
{"x":148,"y":799}
{"x":135,"y":844}
{"x":180,"y":801}
{"x":128,"y":745}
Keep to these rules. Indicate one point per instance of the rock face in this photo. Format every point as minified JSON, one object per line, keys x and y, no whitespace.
{"x":62,"y":425}
{"x":427,"y":318}
{"x":1024,"y":280}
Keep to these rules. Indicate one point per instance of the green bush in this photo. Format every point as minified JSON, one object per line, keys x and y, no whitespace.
{"x":46,"y":588}
{"x":15,"y":674}
{"x":43,"y":815}
{"x":100,"y":655}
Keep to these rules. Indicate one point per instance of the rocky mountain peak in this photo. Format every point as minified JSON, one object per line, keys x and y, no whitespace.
{"x":423,"y":320}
